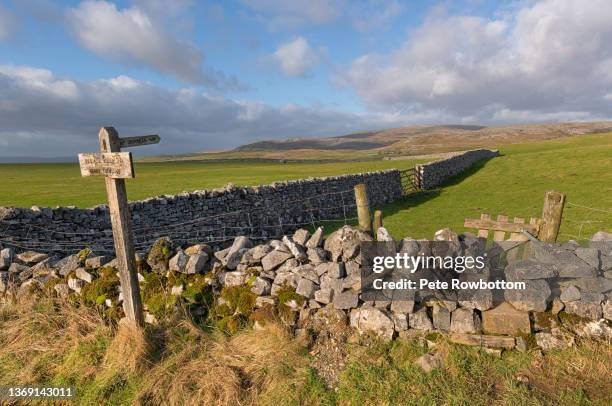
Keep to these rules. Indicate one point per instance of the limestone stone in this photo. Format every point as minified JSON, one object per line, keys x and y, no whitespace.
{"x":68,"y":264}
{"x":32,"y":257}
{"x":548,"y":341}
{"x":409,"y":246}
{"x":62,"y":290}
{"x":570,"y":294}
{"x":400,"y":321}
{"x":607,"y":310}
{"x":307,"y":271}
{"x":83,"y":275}
{"x":324,"y":296}
{"x":465,"y":321}
{"x":297,"y":250}
{"x":419,"y":320}
{"x":589,"y":306}
{"x":441,"y":317}
{"x":383,"y":235}
{"x":301,"y":236}
{"x":373,"y":320}
{"x":305,"y":288}
{"x":6,"y":257}
{"x":236,"y":251}
{"x":535,"y":297}
{"x":402,"y":306}
{"x":235,"y":278}
{"x":429,"y":362}
{"x":529,"y":269}
{"x":96,"y":261}
{"x":316,"y":255}
{"x":178,"y":262}
{"x":274,"y":259}
{"x":177,"y":290}
{"x":336,"y":270}
{"x":557,"y":306}
{"x":199,"y":249}
{"x":480,"y":299}
{"x":591,"y":256}
{"x":196,"y":263}
{"x":76,"y":284}
{"x":505,"y":319}
{"x":345,"y":300}
{"x":261,"y":286}
{"x":316,"y":239}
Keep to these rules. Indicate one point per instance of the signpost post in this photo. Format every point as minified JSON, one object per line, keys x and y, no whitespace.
{"x":115,"y":166}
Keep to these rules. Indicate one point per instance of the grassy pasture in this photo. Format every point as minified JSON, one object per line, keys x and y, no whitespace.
{"x":513,"y":184}
{"x":52,"y":185}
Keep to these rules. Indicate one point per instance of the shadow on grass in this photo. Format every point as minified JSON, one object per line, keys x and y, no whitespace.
{"x":413,"y":199}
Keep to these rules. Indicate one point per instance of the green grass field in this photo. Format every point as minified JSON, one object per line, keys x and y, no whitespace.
{"x":513,"y":184}
{"x":52,"y":185}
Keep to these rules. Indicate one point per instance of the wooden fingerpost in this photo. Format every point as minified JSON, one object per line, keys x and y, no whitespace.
{"x":378,"y":221}
{"x":552,"y":213}
{"x":115,"y":166}
{"x":363,"y":208}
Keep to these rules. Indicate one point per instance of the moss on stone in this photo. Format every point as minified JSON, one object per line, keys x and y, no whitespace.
{"x":239,"y":298}
{"x":96,"y":292}
{"x":160,"y":252}
{"x":83,"y":254}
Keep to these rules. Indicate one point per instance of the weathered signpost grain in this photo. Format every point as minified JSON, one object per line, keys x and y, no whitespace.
{"x":115,"y":166}
{"x":552,"y":213}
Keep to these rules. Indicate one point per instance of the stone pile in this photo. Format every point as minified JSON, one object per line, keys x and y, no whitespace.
{"x":568,"y":287}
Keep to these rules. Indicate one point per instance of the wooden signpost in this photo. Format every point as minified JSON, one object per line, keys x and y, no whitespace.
{"x":115,"y":166}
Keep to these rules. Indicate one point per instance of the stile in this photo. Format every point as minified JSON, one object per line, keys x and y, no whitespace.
{"x":500,"y":235}
{"x":483,"y":232}
{"x":518,"y":236}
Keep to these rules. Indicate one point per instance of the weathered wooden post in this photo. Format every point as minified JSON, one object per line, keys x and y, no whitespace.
{"x":378,"y":221}
{"x":551,"y":215}
{"x":116,"y":166}
{"x":363,"y":208}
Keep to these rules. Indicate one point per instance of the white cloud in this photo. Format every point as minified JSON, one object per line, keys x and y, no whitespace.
{"x":297,"y":58}
{"x":291,"y":13}
{"x":549,"y":57}
{"x":132,"y":36}
{"x":44,"y":115}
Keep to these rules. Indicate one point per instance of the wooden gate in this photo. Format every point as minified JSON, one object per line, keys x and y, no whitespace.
{"x":409,"y":181}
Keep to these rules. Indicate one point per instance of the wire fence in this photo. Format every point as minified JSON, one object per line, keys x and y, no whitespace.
{"x":580,"y":221}
{"x":257,"y":223}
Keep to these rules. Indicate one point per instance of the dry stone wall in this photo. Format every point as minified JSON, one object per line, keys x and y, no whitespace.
{"x":212,"y":216}
{"x":433,"y":174}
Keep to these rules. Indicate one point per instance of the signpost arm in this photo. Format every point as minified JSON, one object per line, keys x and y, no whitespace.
{"x":122,"y":233}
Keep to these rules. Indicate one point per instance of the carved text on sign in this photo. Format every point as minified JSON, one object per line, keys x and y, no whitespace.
{"x":117,"y":165}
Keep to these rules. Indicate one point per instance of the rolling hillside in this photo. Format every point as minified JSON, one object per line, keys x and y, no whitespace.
{"x":409,"y":141}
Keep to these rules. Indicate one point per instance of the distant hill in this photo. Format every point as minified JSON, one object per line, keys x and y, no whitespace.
{"x":399,"y":142}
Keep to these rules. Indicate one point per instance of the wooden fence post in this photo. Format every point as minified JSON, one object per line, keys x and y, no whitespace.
{"x":363,"y":208}
{"x":378,"y":221}
{"x":551,"y":215}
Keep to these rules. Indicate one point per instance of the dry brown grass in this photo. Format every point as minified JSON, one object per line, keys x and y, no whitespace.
{"x":216,"y":369}
{"x":37,"y":336}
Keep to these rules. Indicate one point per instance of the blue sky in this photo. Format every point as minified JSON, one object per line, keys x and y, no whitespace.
{"x":216,"y":74}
